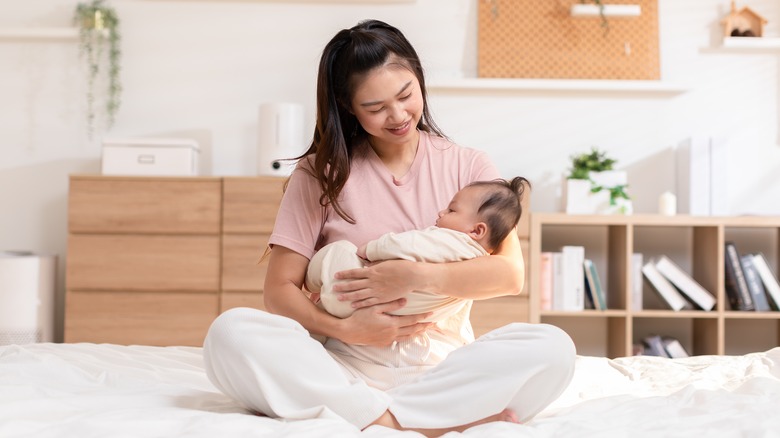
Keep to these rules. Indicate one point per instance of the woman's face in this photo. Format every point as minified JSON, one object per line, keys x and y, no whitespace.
{"x":388,"y":103}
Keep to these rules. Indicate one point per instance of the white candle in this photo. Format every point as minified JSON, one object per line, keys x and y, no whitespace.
{"x":667,"y":204}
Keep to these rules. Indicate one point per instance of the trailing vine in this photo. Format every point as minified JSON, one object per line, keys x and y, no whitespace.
{"x":600,"y":4}
{"x":99,"y":44}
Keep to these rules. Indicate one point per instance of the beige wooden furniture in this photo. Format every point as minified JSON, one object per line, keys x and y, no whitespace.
{"x":154,"y":260}
{"x":249,"y":210}
{"x":694,"y":243}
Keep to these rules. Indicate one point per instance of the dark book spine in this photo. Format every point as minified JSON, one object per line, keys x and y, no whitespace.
{"x":760,"y":301}
{"x":654,"y":346}
{"x":736,"y":286}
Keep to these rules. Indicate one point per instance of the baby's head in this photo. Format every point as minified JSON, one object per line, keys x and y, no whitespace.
{"x":485,"y":210}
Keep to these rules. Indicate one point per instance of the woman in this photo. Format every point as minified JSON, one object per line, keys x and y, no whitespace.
{"x":378,"y":164}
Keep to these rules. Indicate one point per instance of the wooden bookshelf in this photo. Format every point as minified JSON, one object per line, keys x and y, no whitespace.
{"x":696,"y":244}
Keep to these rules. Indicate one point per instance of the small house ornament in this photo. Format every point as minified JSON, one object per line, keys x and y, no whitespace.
{"x":743,"y":23}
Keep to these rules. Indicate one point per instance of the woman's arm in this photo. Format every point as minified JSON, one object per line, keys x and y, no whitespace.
{"x":369,"y":326}
{"x":483,"y":277}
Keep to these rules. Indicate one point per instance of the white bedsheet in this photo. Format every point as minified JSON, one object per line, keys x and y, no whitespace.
{"x":88,"y":390}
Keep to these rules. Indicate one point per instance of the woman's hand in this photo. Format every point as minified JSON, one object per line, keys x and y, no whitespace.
{"x":379,"y":283}
{"x":373,"y":326}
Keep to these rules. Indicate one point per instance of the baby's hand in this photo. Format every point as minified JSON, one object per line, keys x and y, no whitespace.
{"x":361,"y":252}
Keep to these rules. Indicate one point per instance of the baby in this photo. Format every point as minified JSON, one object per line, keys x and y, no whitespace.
{"x":477,"y":220}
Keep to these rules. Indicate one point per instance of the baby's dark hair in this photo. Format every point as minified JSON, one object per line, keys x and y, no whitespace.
{"x":501,"y":206}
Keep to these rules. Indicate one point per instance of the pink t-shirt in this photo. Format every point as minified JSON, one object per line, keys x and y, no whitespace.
{"x":377,"y":201}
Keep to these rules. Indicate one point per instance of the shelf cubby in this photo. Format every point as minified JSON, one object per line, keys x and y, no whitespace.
{"x":696,"y":244}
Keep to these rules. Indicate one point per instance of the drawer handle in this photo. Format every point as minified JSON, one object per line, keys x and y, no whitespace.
{"x":146,"y":159}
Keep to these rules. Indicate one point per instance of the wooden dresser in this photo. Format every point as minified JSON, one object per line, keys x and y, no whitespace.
{"x":153,"y":261}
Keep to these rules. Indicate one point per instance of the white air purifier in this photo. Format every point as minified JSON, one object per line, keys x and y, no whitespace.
{"x":26,"y":297}
{"x":280,"y":136}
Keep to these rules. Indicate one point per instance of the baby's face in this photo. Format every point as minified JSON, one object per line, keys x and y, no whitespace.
{"x":461,"y":213}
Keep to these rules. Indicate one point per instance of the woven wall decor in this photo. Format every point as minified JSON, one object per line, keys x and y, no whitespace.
{"x":540,"y":39}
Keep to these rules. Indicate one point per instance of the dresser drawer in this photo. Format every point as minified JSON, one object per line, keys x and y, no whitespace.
{"x":229,"y":300}
{"x":144,"y":205}
{"x":251,"y":204}
{"x":490,"y":314}
{"x":143,"y":262}
{"x":144,"y":318}
{"x":241,"y":266}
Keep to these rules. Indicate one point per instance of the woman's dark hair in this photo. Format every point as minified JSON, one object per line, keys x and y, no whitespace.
{"x":350,"y":54}
{"x":501,"y":206}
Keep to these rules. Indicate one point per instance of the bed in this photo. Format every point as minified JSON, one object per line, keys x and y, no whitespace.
{"x":104,"y":390}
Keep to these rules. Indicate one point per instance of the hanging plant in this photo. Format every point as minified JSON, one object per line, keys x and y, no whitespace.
{"x":99,"y":39}
{"x":600,"y":4}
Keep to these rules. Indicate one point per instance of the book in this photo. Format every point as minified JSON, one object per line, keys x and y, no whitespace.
{"x":589,"y":294}
{"x":557,"y":281}
{"x":755,"y":285}
{"x":593,"y":284}
{"x":771,"y":286}
{"x":546,"y":280}
{"x":693,"y":165}
{"x":685,"y":283}
{"x":673,"y":347}
{"x":702,"y":176}
{"x":636,"y":281}
{"x":663,"y":287}
{"x":573,"y":277}
{"x":736,"y":285}
{"x":654,"y":346}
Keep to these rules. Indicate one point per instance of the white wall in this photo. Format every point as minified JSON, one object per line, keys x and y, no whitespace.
{"x":202,"y":68}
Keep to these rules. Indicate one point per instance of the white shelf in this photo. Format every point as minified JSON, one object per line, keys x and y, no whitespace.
{"x":39,"y":33}
{"x":616,"y":11}
{"x":557,"y":85}
{"x":751,"y":44}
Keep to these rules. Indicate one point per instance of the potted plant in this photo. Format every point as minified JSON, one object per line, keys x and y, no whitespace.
{"x":99,"y":39}
{"x":593,"y":186}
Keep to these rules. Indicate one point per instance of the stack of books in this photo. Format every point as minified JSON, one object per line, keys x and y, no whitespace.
{"x":569,"y":281}
{"x":676,"y":287}
{"x":661,"y":346}
{"x":750,"y":284}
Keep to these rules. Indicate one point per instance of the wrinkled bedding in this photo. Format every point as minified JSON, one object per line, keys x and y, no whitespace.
{"x":91,"y":390}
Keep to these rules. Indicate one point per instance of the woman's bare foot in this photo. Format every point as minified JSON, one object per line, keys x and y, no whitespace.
{"x":388,"y":420}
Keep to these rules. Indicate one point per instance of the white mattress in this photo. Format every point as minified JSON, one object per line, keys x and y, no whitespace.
{"x":89,"y":390}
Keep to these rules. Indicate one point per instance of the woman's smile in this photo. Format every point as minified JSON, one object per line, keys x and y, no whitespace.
{"x":401,"y":130}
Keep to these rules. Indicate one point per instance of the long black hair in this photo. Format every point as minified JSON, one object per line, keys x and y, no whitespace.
{"x":349,"y":55}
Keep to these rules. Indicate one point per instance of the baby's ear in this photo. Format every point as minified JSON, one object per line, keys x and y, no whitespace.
{"x":478,"y":231}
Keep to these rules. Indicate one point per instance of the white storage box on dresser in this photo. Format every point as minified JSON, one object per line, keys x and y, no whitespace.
{"x":150,"y":157}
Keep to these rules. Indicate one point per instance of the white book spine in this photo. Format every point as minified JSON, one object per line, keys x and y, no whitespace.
{"x":636,"y":281}
{"x":719,"y":182}
{"x":770,"y":283}
{"x":664,"y":288}
{"x":693,"y":176}
{"x":685,"y":283}
{"x":573,"y":278}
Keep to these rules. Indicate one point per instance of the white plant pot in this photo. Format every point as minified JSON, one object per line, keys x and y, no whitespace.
{"x":578,"y":198}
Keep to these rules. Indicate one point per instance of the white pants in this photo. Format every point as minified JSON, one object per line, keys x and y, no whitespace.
{"x":270,"y":364}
